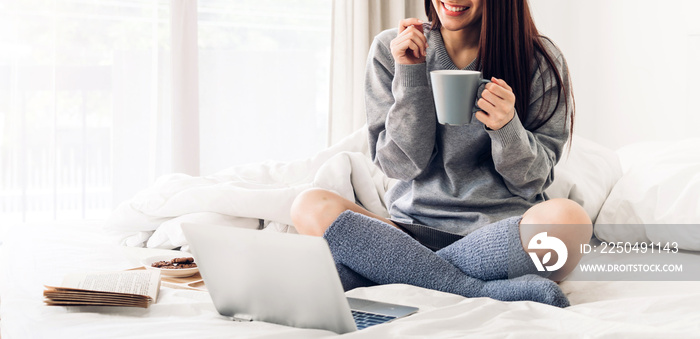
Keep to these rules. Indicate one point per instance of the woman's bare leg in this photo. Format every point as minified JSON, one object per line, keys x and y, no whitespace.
{"x":314,"y":210}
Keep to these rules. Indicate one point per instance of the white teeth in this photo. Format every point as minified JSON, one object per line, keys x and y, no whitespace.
{"x":454,"y":9}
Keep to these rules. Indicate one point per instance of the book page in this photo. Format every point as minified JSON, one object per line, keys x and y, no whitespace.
{"x":146,"y":283}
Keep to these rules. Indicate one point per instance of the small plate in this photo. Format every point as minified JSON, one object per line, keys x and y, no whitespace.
{"x":169,"y":272}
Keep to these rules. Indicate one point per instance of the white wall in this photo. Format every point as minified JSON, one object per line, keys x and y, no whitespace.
{"x":635,"y":66}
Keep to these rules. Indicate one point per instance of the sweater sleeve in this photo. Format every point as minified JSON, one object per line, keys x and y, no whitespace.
{"x":526,"y":158}
{"x":400,"y":114}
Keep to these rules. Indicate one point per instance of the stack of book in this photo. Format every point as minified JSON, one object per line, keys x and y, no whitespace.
{"x":123,"y":288}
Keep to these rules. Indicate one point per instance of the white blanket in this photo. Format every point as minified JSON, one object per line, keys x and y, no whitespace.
{"x":261,"y":194}
{"x":248,"y":195}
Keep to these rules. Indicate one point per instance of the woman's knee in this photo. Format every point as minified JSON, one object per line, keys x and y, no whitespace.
{"x":556,"y":211}
{"x":563,"y":219}
{"x":315,"y":209}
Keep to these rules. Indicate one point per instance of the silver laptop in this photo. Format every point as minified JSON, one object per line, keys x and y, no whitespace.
{"x":280,"y":278}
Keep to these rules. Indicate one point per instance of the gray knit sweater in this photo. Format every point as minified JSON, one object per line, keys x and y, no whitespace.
{"x":457,"y":178}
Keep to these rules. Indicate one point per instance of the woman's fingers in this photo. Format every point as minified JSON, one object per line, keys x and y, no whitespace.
{"x":503,"y":105}
{"x":485,"y":105}
{"x":410,"y":45}
{"x":418,"y":41}
{"x":497,"y":104}
{"x":415,"y":31}
{"x":501,"y":83}
{"x":501,"y":90}
{"x":500,"y":106}
{"x":492,"y":121}
{"x":405,"y":23}
{"x":490,"y":97}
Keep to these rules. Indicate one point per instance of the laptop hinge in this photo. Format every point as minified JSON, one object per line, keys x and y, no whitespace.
{"x":242,"y":318}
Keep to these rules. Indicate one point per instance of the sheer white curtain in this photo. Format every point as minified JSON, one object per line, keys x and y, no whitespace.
{"x":99,"y":98}
{"x":185,"y":87}
{"x":263,"y":80}
{"x":355,"y":23}
{"x":83,"y":89}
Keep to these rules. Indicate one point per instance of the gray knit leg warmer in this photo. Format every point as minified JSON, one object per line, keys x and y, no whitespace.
{"x":492,"y":252}
{"x":350,"y":279}
{"x":386,"y":255}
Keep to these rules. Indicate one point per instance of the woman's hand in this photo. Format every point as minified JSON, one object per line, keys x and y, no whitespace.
{"x":409,"y":46}
{"x":497,"y":104}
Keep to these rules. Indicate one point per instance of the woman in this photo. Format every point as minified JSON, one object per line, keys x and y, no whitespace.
{"x":469,"y":198}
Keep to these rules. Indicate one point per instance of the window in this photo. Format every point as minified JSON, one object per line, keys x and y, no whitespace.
{"x":85,"y":96}
{"x":78,"y":78}
{"x":264,"y":80}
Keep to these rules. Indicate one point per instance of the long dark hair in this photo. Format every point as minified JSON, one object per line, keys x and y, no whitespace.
{"x":507,"y":47}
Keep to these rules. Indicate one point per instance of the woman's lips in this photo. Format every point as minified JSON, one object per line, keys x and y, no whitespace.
{"x":454,"y":10}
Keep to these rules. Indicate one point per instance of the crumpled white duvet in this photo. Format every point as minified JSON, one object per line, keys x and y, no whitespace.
{"x":248,"y":196}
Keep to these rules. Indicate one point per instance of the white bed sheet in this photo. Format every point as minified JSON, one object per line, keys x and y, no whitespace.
{"x":42,"y":254}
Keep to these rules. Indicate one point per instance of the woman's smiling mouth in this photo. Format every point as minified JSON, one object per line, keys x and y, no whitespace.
{"x":453,"y":9}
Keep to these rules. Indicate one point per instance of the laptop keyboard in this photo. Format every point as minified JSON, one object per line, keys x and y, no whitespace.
{"x":364,"y":319}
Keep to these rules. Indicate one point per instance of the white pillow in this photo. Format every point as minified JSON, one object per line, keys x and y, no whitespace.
{"x":658,"y":197}
{"x":586,"y":175}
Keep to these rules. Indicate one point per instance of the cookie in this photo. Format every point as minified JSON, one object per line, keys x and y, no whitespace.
{"x":160,"y":264}
{"x":184,"y":260}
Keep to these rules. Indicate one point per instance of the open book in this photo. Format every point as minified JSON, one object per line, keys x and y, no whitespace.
{"x":122,"y":288}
